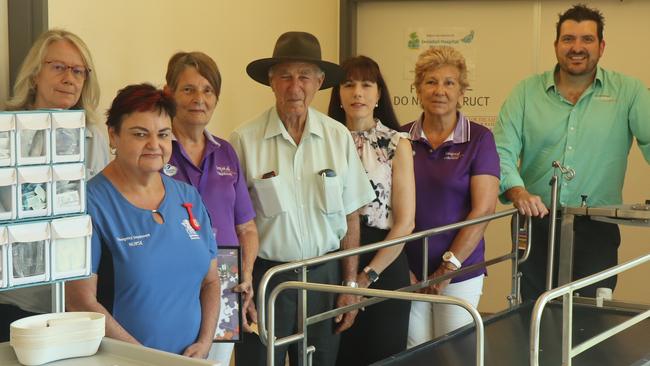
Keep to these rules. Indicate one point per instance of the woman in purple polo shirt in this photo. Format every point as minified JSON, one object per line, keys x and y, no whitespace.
{"x":363,"y":104}
{"x":456,"y":179}
{"x":210,"y":165}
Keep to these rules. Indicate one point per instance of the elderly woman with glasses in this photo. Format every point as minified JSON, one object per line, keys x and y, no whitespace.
{"x":57,"y":73}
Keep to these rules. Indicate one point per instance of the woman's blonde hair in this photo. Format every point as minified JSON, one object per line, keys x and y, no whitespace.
{"x":25,"y":89}
{"x":439,"y":56}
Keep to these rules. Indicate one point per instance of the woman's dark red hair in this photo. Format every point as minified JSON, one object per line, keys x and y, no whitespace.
{"x":139,"y":98}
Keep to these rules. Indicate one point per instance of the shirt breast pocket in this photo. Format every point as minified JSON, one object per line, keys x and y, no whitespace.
{"x":268,"y":196}
{"x":330,"y":194}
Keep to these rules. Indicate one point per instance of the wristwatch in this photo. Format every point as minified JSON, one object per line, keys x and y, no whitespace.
{"x":373,"y":276}
{"x":353,"y":284}
{"x":451,"y":258}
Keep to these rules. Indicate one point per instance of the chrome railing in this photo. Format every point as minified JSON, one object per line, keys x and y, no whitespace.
{"x":302,"y":265}
{"x":386,"y":294}
{"x":566,"y":291}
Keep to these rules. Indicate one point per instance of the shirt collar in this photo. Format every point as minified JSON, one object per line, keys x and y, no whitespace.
{"x":208,"y":136}
{"x":459,"y":135}
{"x":275,"y":126}
{"x":549,"y":77}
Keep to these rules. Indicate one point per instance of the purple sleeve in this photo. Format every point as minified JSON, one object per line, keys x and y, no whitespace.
{"x":486,"y":159}
{"x":244,"y":211}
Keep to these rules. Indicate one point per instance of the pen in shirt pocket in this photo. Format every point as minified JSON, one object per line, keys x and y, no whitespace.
{"x":327,"y":173}
{"x":269,"y":174}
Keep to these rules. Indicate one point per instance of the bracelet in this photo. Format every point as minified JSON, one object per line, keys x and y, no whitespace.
{"x":353,"y":284}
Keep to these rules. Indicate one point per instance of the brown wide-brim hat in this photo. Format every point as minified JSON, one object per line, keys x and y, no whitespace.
{"x":295,"y":47}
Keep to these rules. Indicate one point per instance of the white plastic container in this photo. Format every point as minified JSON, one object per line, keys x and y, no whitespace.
{"x":28,"y":257}
{"x":32,"y":138}
{"x":8,"y":200}
{"x":7,"y":139}
{"x":68,"y":136}
{"x":70,"y":247}
{"x":33,"y":192}
{"x":68,"y":188}
{"x":4,"y":240}
{"x":50,"y":337}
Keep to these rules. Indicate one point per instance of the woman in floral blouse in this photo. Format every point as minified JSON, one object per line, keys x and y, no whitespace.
{"x":363,"y":104}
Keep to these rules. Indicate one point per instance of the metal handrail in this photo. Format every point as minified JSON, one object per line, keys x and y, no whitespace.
{"x":303,"y":264}
{"x":568,"y":352}
{"x":408,"y":296}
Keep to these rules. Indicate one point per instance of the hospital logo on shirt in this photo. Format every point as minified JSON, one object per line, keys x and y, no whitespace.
{"x":191,"y":233}
{"x":452,"y":155}
{"x":605,"y":98}
{"x":225,"y":171}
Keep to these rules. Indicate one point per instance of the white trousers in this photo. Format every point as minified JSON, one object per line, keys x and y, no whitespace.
{"x":428,"y":321}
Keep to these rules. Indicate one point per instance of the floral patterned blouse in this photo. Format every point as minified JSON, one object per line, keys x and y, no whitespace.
{"x":376,"y":148}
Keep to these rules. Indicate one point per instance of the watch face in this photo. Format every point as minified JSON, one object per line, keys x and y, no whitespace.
{"x":372,"y":275}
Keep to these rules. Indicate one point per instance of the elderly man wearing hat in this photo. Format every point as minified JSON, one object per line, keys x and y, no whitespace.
{"x":307,"y":183}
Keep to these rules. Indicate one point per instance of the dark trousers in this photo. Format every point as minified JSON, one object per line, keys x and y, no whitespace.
{"x":380,"y":330}
{"x":595,"y":249}
{"x":251,"y":352}
{"x":9,"y":314}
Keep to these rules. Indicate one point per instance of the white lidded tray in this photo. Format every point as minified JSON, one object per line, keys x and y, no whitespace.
{"x":46,"y":338}
{"x":114,"y":353}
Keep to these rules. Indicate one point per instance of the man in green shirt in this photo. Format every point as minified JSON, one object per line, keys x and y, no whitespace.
{"x":585,"y":117}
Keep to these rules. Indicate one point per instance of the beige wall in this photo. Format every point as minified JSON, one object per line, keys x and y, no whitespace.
{"x":4,"y":53}
{"x":131,"y":42}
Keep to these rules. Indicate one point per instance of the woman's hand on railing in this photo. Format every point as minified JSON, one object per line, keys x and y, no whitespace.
{"x":437,"y":288}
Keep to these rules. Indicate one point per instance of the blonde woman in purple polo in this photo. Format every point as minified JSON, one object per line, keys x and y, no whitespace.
{"x":456,"y":178}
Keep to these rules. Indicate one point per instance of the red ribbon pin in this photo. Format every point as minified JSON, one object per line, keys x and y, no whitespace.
{"x":195,"y":224}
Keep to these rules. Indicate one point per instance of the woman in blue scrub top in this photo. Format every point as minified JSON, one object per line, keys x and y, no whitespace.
{"x":156,"y":232}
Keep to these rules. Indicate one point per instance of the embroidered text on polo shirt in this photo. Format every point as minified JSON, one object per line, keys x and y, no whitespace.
{"x":449,"y":155}
{"x":134,"y":240}
{"x":224,"y":171}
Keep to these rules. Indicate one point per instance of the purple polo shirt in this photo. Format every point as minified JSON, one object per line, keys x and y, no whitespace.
{"x":220,"y":183}
{"x":442,"y":186}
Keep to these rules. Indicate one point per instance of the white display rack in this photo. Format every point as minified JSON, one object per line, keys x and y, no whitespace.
{"x":43,"y":200}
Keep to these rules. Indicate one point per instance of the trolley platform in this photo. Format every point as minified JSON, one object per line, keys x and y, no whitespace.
{"x":507,"y":336}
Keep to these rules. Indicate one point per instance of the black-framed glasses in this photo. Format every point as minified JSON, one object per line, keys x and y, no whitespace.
{"x":57,"y":67}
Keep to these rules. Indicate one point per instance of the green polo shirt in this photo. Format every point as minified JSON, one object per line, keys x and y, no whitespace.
{"x":300,"y":213}
{"x":536,"y":126}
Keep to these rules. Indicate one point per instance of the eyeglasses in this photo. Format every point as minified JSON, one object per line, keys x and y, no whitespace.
{"x":78,"y":72}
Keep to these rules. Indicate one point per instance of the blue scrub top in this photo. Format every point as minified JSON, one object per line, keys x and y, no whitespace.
{"x":158,"y":268}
